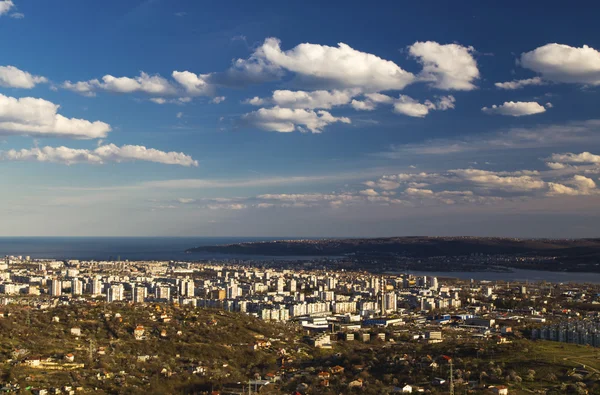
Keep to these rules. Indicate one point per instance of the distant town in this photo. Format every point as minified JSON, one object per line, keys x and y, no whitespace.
{"x":300,"y":327}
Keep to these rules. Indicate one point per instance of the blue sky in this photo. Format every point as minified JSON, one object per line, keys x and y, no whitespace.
{"x":265,"y":118}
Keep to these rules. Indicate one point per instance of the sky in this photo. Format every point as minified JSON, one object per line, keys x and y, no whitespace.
{"x":299,"y":119}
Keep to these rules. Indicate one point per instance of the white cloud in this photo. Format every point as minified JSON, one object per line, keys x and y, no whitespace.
{"x":418,"y":192}
{"x":102,"y":154}
{"x":12,"y":77}
{"x":179,"y":115}
{"x":409,"y":106}
{"x":234,"y":206}
{"x":379,"y":98}
{"x":6,"y":6}
{"x":218,"y":99}
{"x":369,"y":192}
{"x":315,"y":99}
{"x":17,"y":15}
{"x":518,"y":84}
{"x":365,"y":105}
{"x":194,"y":84}
{"x":145,"y":83}
{"x":515,"y":109}
{"x":445,"y":103}
{"x":162,"y":100}
{"x":279,"y":119}
{"x":85,"y":88}
{"x":494,"y":180}
{"x":255,"y":101}
{"x":555,"y":165}
{"x":581,"y":186}
{"x":39,"y":117}
{"x":339,"y":67}
{"x":584,"y":157}
{"x":563,"y":63}
{"x":405,"y":105}
{"x":186,"y":200}
{"x":447,"y":67}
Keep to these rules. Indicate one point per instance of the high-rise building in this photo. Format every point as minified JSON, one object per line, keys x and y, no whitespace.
{"x":115,"y":293}
{"x":280,"y":284}
{"x":391,"y":301}
{"x":162,"y":292}
{"x":96,"y":286}
{"x":432,"y":282}
{"x":293,"y":285}
{"x":56,"y":287}
{"x":139,"y":294}
{"x":232,"y":290}
{"x":76,"y":287}
{"x":186,"y":288}
{"x":331,"y":283}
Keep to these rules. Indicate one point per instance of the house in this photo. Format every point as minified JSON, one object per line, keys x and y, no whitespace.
{"x":76,"y":331}
{"x":138,"y":332}
{"x":438,"y":381}
{"x":499,"y":389}
{"x":32,"y":361}
{"x":355,"y":383}
{"x":260,"y":344}
{"x":406,"y":389}
{"x":337,"y":369}
{"x":69,"y":357}
{"x":324,"y":375}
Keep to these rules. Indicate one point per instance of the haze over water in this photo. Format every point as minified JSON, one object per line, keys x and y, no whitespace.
{"x":173,"y":248}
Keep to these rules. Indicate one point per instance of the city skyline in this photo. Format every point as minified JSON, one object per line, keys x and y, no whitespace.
{"x":174,"y":118}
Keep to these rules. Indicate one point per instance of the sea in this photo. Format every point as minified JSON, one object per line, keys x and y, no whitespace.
{"x":126,"y":248}
{"x":173,"y":249}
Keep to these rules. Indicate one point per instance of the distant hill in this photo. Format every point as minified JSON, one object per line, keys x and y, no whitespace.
{"x":417,"y":246}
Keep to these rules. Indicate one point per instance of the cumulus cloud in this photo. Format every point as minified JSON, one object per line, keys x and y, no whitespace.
{"x":365,"y":105}
{"x":584,"y":157}
{"x":144,"y":83}
{"x":494,"y":180}
{"x":39,"y":117}
{"x":218,"y":99}
{"x":515,"y":109}
{"x":194,"y":84}
{"x":404,"y":104}
{"x":518,"y":84}
{"x":102,"y":154}
{"x":279,"y":119}
{"x":12,"y":77}
{"x":369,"y":192}
{"x":408,"y":106}
{"x":563,"y":63}
{"x":555,"y":165}
{"x":315,"y":99}
{"x":338,"y":67}
{"x":6,"y":6}
{"x":581,"y":185}
{"x":447,"y":67}
{"x":255,"y":101}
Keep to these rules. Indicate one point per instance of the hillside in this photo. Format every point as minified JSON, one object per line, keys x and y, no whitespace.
{"x":415,"y":246}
